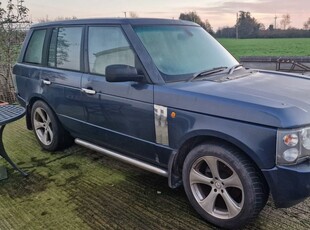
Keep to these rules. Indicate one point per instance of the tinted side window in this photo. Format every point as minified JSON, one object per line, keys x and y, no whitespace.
{"x":65,"y":46}
{"x":35,"y":47}
{"x":108,"y":46}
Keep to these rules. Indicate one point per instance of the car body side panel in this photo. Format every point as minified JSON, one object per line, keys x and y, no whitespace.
{"x":259,"y":142}
{"x":28,"y":80}
{"x":121,"y":114}
{"x":63,"y":92}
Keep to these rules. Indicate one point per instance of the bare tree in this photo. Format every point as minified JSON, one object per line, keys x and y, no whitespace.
{"x":133,"y":14}
{"x":208,"y":28}
{"x":307,"y":24}
{"x":59,"y":18}
{"x":285,"y":21}
{"x":13,"y":24}
{"x":194,"y":17}
{"x":43,"y":19}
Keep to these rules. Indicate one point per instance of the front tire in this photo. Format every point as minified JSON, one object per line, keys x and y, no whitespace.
{"x":223,"y":186}
{"x":47,"y":129}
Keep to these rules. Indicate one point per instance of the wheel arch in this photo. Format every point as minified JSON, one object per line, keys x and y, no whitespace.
{"x":196,"y":138}
{"x":30,"y":103}
{"x":61,"y":137}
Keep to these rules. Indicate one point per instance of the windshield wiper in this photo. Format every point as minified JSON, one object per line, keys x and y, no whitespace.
{"x":207,"y":72}
{"x":233,"y":68}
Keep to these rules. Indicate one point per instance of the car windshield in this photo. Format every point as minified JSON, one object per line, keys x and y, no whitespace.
{"x":181,"y":51}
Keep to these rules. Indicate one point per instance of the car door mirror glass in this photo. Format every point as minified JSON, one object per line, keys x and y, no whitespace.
{"x":122,"y":73}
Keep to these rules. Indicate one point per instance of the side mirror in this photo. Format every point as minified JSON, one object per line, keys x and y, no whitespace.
{"x":122,"y":73}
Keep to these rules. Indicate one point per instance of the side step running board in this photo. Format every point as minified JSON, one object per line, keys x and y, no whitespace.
{"x":123,"y":158}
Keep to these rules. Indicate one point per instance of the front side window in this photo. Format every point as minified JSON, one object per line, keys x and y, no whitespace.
{"x":108,"y":46}
{"x":35,"y":47}
{"x":180,"y":51}
{"x":65,"y":47}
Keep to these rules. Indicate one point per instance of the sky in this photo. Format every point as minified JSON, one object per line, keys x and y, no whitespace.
{"x":220,"y":13}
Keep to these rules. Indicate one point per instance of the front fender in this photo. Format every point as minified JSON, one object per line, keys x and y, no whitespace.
{"x":258,"y":142}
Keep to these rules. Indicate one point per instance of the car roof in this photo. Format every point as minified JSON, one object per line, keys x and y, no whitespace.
{"x":113,"y":21}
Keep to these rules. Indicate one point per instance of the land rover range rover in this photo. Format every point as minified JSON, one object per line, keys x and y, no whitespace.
{"x":165,"y":96}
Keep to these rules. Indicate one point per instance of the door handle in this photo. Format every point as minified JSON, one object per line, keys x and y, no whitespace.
{"x":46,"y":82}
{"x":88,"y":91}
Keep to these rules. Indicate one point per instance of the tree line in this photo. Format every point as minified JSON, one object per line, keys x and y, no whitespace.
{"x":249,"y":27}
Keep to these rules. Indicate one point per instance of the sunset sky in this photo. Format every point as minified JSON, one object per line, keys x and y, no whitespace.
{"x":219,"y":12}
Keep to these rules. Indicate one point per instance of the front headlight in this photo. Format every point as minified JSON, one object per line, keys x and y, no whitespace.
{"x":293,"y":146}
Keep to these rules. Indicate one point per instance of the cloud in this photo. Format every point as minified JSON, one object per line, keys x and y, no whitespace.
{"x":263,"y":10}
{"x":263,"y":6}
{"x":219,"y":12}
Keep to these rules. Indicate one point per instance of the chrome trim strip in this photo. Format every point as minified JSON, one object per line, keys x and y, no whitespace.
{"x":123,"y":158}
{"x":113,"y":131}
{"x":161,"y":124}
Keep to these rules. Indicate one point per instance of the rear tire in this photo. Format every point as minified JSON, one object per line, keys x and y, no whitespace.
{"x":223,"y":186}
{"x":47,"y":129}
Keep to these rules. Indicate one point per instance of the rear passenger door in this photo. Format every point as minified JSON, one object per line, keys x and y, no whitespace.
{"x":28,"y":70}
{"x":119,"y":115}
{"x":61,"y":78}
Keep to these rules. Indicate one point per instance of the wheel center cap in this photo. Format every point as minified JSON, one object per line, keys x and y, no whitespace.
{"x":218,"y":185}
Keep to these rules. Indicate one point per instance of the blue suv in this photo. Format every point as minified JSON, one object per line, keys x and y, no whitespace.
{"x":165,"y":96}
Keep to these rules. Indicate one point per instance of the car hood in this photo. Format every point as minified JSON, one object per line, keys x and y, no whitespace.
{"x":262,"y":97}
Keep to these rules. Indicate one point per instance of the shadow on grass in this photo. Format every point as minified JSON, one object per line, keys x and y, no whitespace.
{"x":19,"y":187}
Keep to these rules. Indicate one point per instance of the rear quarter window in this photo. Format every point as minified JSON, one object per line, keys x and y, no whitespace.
{"x":35,"y":47}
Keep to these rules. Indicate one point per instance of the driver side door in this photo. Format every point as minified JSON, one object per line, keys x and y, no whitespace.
{"x":118,"y":115}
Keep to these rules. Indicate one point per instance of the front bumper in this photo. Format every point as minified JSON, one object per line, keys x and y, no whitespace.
{"x":289,"y":185}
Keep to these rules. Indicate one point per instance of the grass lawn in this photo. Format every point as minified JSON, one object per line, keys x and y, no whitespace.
{"x":80,"y":189}
{"x":267,"y":47}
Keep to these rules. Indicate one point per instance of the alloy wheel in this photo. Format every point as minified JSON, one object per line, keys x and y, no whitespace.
{"x":43,"y":126}
{"x":216,"y":187}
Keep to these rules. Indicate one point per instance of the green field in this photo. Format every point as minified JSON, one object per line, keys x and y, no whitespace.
{"x":267,"y":47}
